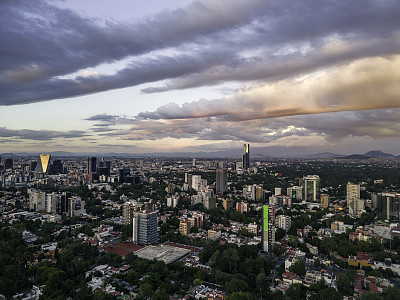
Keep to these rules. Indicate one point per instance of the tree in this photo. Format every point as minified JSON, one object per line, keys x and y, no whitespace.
{"x":160,"y":295}
{"x":329,"y":244}
{"x":261,"y":282}
{"x":146,"y":290}
{"x":296,"y":292}
{"x":391,"y":293}
{"x":241,"y":296}
{"x":371,"y":296}
{"x":293,"y":240}
{"x":298,"y":267}
{"x":344,"y":285}
{"x":327,"y":294}
{"x":278,"y":250}
{"x":237,"y":285}
{"x":279,"y":234}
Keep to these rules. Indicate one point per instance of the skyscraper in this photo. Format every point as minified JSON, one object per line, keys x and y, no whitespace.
{"x":221,"y":180}
{"x":58,"y":167}
{"x":8,"y":163}
{"x":268,"y":227}
{"x":311,"y":188}
{"x":387,"y":205}
{"x":145,"y":227}
{"x":43,"y":164}
{"x":246,"y":156}
{"x":92,"y":165}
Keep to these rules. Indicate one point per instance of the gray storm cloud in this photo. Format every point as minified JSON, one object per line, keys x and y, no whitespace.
{"x":43,"y":46}
{"x":40,"y":135}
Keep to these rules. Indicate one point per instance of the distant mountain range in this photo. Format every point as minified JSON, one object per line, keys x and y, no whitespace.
{"x":233,"y":153}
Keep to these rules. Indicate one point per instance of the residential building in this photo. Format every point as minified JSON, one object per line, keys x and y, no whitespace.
{"x":324,"y":201}
{"x":352,"y":191}
{"x":184,"y":227}
{"x":210,"y":203}
{"x":227,"y":203}
{"x":284,"y":222}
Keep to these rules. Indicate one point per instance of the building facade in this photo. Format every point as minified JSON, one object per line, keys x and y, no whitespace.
{"x":311,"y":188}
{"x":145,"y":227}
{"x":352,"y":192}
{"x":246,"y":156}
{"x":268,"y":227}
{"x":220,"y":180}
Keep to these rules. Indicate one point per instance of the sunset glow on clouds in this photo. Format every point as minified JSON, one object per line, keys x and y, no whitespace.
{"x":200,"y":75}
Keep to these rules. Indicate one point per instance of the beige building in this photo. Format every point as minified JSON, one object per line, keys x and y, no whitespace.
{"x":353,"y":191}
{"x":324,"y":201}
{"x":227,"y":203}
{"x":213,"y":234}
{"x":184,"y":227}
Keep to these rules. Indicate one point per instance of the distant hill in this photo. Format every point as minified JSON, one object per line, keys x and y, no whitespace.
{"x":376,"y":153}
{"x":356,"y":156}
{"x":7,"y":155}
{"x":232,"y":153}
{"x":321,"y":155}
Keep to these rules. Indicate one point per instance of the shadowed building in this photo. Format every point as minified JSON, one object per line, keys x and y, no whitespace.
{"x":8,"y":163}
{"x":246,"y":156}
{"x":92,"y":165}
{"x":221,"y":180}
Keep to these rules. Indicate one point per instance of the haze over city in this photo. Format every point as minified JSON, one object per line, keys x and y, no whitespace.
{"x":188,"y":76}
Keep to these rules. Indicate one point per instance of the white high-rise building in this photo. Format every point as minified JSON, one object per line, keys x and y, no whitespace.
{"x":196,"y":180}
{"x":283,"y":222}
{"x":37,"y":200}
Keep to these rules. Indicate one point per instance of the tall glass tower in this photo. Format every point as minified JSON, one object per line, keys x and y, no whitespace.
{"x":311,"y":188}
{"x":246,"y":156}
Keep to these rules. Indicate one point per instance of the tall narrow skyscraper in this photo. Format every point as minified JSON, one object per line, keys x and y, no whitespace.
{"x":92,"y":165}
{"x":268,"y":227}
{"x":8,"y":163}
{"x":220,"y":180}
{"x":246,"y":156}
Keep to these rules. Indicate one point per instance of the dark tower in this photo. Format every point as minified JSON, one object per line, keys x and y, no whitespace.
{"x":246,"y":156}
{"x":92,"y":165}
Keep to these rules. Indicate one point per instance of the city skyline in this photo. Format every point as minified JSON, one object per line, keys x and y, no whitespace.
{"x":188,"y":76}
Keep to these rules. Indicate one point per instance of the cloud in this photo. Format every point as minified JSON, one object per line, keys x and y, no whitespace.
{"x":370,"y":83}
{"x":40,"y":135}
{"x":299,"y":130}
{"x":204,"y":43}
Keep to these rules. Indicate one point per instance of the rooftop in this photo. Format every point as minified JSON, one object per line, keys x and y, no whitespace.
{"x":167,"y":254}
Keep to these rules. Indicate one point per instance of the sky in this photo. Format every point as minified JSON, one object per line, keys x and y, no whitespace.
{"x":100,"y":76}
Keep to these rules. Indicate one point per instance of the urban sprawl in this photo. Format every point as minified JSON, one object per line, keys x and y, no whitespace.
{"x":168,"y":228}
